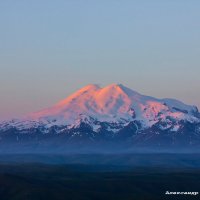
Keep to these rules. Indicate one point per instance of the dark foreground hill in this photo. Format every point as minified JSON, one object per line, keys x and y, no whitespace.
{"x":77,"y":177}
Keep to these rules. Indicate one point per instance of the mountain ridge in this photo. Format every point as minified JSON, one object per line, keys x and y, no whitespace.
{"x":110,"y":113}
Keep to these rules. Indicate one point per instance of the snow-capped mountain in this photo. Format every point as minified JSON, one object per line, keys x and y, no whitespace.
{"x":108,"y":113}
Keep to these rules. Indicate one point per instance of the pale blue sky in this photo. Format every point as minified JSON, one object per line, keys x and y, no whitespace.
{"x":50,"y":48}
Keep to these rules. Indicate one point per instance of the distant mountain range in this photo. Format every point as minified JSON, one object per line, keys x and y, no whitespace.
{"x":114,"y":115}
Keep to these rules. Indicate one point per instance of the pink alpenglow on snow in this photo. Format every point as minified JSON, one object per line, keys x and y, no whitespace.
{"x":113,"y":103}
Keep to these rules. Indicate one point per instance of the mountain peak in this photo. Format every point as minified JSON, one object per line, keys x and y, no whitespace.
{"x":111,"y":87}
{"x":114,"y":103}
{"x":111,"y":112}
{"x":115,"y":85}
{"x":90,"y":87}
{"x":122,"y":89}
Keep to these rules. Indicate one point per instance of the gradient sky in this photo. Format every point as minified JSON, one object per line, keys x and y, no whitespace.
{"x":49,"y":49}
